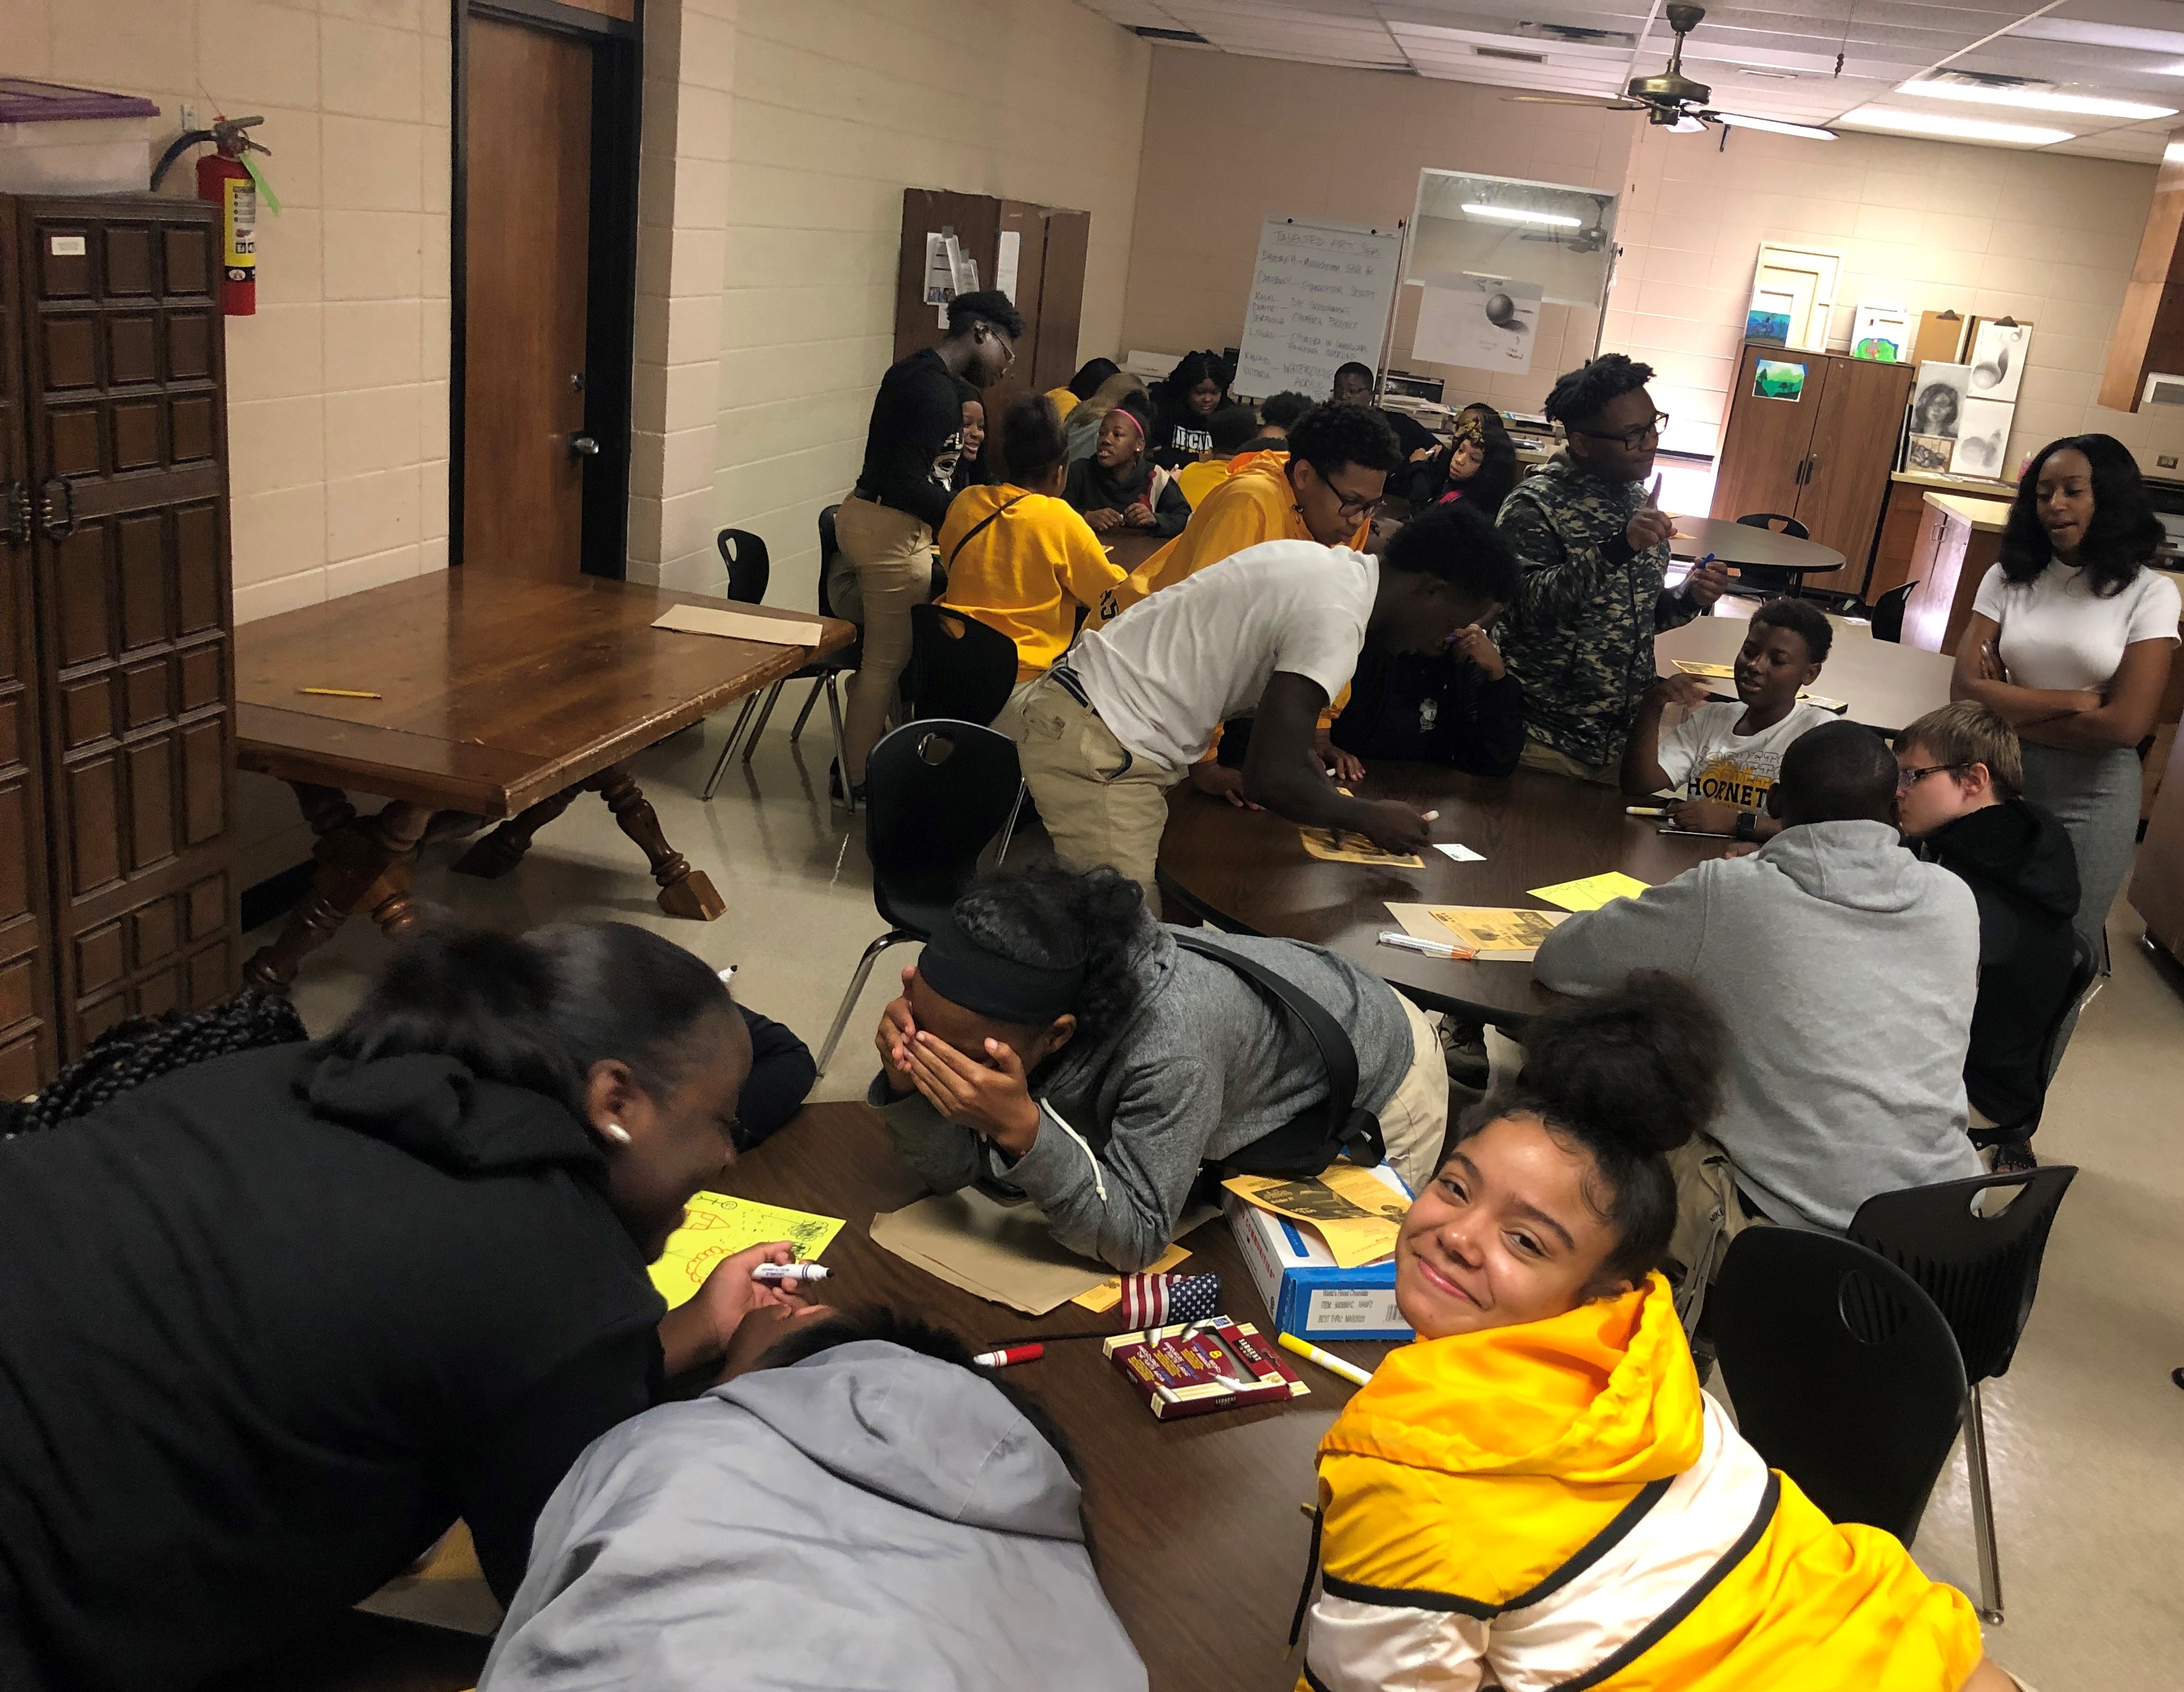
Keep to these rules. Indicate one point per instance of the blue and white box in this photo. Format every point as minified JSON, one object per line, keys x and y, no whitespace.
{"x":1306,"y":1293}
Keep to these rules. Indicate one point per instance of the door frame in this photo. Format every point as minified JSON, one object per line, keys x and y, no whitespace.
{"x":610,"y":300}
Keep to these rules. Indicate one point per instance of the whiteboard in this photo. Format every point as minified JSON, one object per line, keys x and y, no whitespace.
{"x":1320,"y":297}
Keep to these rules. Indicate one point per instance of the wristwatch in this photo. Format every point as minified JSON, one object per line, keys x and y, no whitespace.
{"x":1747,"y":824}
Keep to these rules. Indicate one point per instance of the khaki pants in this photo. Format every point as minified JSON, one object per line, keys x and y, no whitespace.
{"x":892,"y":552}
{"x":1100,"y":802}
{"x":1414,"y":1121}
{"x":1538,"y":755}
{"x":1709,"y":1215}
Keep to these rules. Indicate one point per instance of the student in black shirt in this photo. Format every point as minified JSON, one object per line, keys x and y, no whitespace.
{"x":273,"y":1321}
{"x":1196,"y":388}
{"x":1478,"y":464}
{"x":885,"y":527}
{"x":1354,"y":385}
{"x":1119,"y":488}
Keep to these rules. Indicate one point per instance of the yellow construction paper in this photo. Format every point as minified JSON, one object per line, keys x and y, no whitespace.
{"x":716,"y":1226}
{"x":1692,"y":666}
{"x":1592,"y":892}
{"x":1108,"y":1294}
{"x":1345,"y":1206}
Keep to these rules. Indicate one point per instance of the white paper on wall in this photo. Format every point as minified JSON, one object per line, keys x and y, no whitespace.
{"x":1005,"y":260}
{"x":1482,"y":323}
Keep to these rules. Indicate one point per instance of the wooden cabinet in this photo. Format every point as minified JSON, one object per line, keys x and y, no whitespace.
{"x":116,"y":689}
{"x":2156,"y":881}
{"x":1822,"y":455}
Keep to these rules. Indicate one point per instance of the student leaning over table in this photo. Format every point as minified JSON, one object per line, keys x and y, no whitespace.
{"x":272,"y":1322}
{"x":1054,"y":1037}
{"x":1535,"y":1493}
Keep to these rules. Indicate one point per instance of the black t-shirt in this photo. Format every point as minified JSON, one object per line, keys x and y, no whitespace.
{"x":1411,"y":435}
{"x":1432,"y":711}
{"x":916,"y":436}
{"x":269,"y":1326}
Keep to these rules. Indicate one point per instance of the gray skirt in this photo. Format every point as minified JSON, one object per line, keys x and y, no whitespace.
{"x":2096,"y":796}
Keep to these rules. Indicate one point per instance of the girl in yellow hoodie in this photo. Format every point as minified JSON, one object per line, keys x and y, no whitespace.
{"x":1536,"y":1495}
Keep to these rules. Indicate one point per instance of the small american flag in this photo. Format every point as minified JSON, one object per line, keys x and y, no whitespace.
{"x":1157,"y":1300}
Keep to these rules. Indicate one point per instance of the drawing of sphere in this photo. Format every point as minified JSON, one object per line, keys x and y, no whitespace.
{"x":1500,"y":311}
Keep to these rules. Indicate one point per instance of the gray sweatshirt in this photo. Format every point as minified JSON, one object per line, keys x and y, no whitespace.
{"x":1847,"y":971}
{"x":869,"y":1518}
{"x":1203,"y":1064}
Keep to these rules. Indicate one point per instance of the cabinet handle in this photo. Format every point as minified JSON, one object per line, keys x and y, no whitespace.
{"x":57,"y":510}
{"x":15,"y":515}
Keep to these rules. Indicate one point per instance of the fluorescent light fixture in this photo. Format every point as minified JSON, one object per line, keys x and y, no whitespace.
{"x":1775,"y":127}
{"x":2071,"y":30}
{"x":2032,"y":99}
{"x":1517,"y":214}
{"x":1908,"y":122}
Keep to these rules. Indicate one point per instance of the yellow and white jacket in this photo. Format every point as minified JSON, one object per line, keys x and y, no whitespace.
{"x":1556,"y":1507}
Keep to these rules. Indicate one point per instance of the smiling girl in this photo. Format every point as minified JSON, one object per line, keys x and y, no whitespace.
{"x":1537,"y":1493}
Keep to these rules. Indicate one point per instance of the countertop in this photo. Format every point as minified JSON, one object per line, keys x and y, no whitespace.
{"x":1977,"y":486}
{"x":1987,"y":516}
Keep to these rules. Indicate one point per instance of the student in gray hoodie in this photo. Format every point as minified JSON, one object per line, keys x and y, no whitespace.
{"x":858,"y":1508}
{"x":1055,"y":1038}
{"x":1847,"y":970}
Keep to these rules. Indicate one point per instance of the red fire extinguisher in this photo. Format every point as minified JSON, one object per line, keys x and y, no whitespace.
{"x":229,"y":184}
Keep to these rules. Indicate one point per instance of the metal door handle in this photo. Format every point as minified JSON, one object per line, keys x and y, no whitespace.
{"x":15,"y":515}
{"x":57,"y":508}
{"x":582,"y":447}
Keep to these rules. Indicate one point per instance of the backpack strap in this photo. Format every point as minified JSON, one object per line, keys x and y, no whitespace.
{"x":979,"y":525}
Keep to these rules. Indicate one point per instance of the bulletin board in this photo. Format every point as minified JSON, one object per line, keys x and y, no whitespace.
{"x":1321,"y":294}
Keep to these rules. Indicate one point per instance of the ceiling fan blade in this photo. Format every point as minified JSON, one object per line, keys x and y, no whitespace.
{"x":1773,"y":126}
{"x":1689,"y":124}
{"x":1600,"y":101}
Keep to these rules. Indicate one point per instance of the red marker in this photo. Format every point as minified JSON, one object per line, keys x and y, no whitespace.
{"x":1008,"y":1354}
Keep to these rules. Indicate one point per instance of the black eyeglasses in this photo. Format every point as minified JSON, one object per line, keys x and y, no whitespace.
{"x":1634,"y":437}
{"x":1907,"y":779}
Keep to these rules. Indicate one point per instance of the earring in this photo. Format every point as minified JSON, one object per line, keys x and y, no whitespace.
{"x":616,"y":1132}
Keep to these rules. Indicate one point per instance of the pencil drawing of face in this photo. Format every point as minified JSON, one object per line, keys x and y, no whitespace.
{"x":1935,"y":412}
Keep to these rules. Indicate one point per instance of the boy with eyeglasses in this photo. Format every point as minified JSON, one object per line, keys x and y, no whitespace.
{"x":1594,"y":544}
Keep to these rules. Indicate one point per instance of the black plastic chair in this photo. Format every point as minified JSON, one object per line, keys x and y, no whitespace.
{"x":960,"y":667}
{"x":1980,"y":1266}
{"x":1761,"y":578}
{"x":1844,"y":1375}
{"x":750,"y":568}
{"x":936,"y":792}
{"x":821,"y":672}
{"x":2084,"y":970}
{"x":1888,"y":612}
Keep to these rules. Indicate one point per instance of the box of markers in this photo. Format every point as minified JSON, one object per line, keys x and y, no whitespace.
{"x":1194,"y":1368}
{"x":1307,"y":1293}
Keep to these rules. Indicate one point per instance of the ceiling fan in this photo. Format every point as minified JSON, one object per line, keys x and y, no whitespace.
{"x":1673,"y":100}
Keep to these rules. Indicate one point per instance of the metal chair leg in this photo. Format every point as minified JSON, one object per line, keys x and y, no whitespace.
{"x":765,"y":716}
{"x":1990,"y":1559}
{"x":1009,"y":828}
{"x":841,"y":762}
{"x":728,"y":751}
{"x":811,"y":699}
{"x":894,"y":937}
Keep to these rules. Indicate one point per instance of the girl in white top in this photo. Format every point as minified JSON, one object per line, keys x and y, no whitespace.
{"x":2070,"y":642}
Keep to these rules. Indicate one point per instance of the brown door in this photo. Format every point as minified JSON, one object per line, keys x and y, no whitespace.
{"x":29,"y":1049}
{"x":1061,"y":296}
{"x":1853,"y":452}
{"x":526,"y":259}
{"x":127,"y":428}
{"x":1764,"y":449}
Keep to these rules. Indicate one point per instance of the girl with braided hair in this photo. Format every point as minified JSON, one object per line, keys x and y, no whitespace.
{"x":274,"y":1318}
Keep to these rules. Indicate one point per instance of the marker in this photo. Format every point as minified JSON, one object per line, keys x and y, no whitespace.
{"x":1008,"y":1354}
{"x":1431,"y":949}
{"x":1428,"y":816}
{"x":1645,"y":810}
{"x":774,"y":1273}
{"x":1326,"y":1359}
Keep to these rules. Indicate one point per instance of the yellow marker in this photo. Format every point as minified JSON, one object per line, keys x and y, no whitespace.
{"x":1326,"y":1359}
{"x":338,"y":694}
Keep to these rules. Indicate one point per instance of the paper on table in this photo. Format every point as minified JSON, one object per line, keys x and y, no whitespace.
{"x":1355,"y":849}
{"x":1345,"y":1204}
{"x":1462,"y":854}
{"x":1002,"y":1252}
{"x":738,"y":625}
{"x":717,"y":1226}
{"x":1591,"y":891}
{"x":1493,"y":935}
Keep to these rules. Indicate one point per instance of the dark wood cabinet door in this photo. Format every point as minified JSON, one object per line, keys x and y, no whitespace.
{"x":29,"y":1043}
{"x":1854,"y":452}
{"x":1764,"y":447}
{"x":1061,"y":298}
{"x":126,"y":429}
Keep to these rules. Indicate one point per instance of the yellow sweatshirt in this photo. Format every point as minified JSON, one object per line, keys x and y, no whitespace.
{"x":1475,"y":1470}
{"x":1065,"y":402}
{"x":1256,"y":503}
{"x":1026,"y":572}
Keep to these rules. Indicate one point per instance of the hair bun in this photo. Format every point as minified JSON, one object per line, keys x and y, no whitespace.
{"x":1641,"y":1062}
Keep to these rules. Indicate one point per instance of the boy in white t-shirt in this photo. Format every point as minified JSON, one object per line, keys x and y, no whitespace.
{"x":1721,"y":760}
{"x":1274,"y":630}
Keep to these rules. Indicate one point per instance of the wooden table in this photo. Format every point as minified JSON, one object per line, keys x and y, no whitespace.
{"x":1887,"y":686}
{"x":493,"y":696}
{"x":1739,"y":544}
{"x":1248,"y":872}
{"x":1201,"y":1544}
{"x":1130,"y":548}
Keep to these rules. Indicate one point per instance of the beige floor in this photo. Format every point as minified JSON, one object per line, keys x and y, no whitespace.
{"x":2087,"y":1432}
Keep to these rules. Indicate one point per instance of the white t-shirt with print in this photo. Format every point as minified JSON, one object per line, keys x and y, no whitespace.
{"x":1705,"y":757}
{"x":2056,"y":635}
{"x":1169,"y":671}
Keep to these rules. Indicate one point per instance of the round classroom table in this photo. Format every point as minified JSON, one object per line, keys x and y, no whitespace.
{"x":1887,"y":686}
{"x":1247,"y":872}
{"x":1130,"y":548}
{"x":1739,"y":544}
